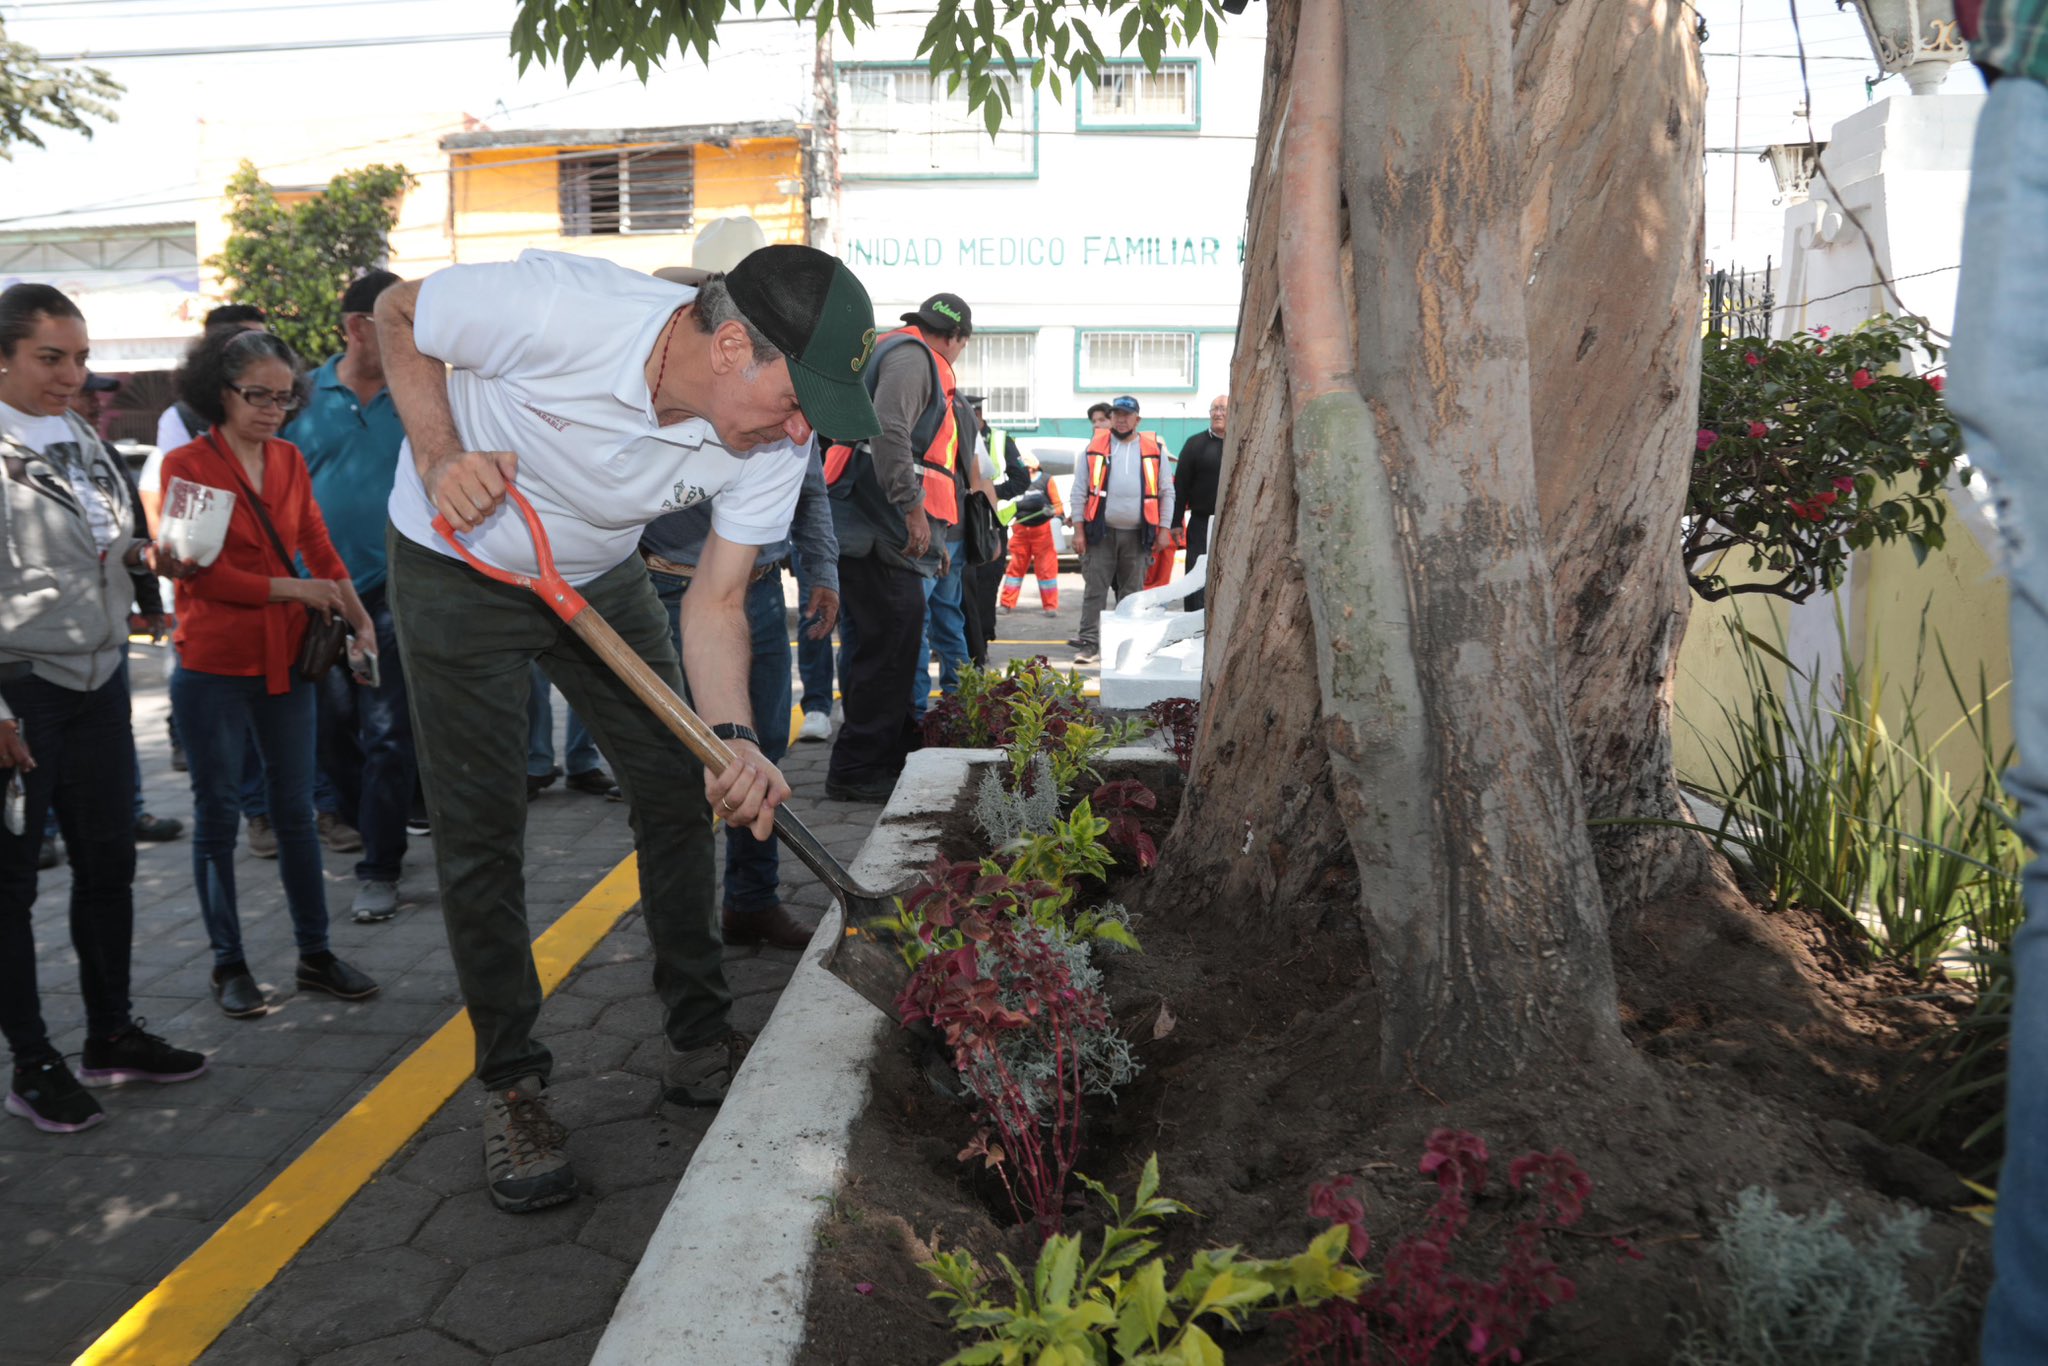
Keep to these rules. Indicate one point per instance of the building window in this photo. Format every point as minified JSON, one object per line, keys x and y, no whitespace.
{"x":998,"y":366}
{"x":1137,"y":360}
{"x":1126,"y":95}
{"x":901,"y":121}
{"x":628,"y":191}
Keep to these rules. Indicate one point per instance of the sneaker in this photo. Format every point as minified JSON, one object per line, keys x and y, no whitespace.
{"x":418,"y":824}
{"x":156,"y":829}
{"x":1052,"y":611}
{"x":135,"y":1054}
{"x":1088,"y":656}
{"x":237,"y":994}
{"x":262,"y":839}
{"x":325,"y":972}
{"x":594,"y":781}
{"x":817,"y":726}
{"x":1074,"y":641}
{"x":49,"y":1097}
{"x":375,"y":902}
{"x":52,"y":854}
{"x":702,"y":1075}
{"x":337,"y":834}
{"x":524,"y":1165}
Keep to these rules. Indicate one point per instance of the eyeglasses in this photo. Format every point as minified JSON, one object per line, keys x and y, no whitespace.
{"x":284,"y":401}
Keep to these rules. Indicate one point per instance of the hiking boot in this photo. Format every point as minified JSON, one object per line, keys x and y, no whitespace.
{"x":773,"y":926}
{"x":524,"y":1165}
{"x":817,"y":726}
{"x":702,"y":1075}
{"x":262,"y":839}
{"x":46,"y":1095}
{"x":594,"y":781}
{"x":237,"y":994}
{"x":375,"y":902}
{"x":135,"y":1054}
{"x":337,"y":834}
{"x":325,"y":972}
{"x":156,"y":829}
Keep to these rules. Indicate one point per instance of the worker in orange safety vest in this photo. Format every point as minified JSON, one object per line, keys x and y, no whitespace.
{"x":1126,"y":505}
{"x":1031,"y":544}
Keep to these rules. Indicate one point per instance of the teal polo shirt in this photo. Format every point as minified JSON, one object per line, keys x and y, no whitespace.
{"x":351,"y":449}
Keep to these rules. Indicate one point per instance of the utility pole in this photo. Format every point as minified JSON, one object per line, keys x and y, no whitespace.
{"x":821,"y":158}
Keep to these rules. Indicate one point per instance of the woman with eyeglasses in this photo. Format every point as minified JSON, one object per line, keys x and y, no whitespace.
{"x":240,"y":624}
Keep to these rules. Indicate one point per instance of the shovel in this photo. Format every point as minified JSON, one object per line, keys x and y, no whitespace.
{"x":858,"y":957}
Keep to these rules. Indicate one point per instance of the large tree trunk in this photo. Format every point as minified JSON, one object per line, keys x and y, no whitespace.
{"x":1485,"y":417}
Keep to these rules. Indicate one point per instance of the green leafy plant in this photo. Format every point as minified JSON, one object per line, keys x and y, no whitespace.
{"x":1812,"y":447}
{"x":55,"y":94}
{"x":1028,"y":709}
{"x":294,"y":260}
{"x":1121,"y":1307}
{"x":1800,"y":1289}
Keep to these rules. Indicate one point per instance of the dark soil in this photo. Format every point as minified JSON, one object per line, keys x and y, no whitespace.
{"x":1767,"y":1049}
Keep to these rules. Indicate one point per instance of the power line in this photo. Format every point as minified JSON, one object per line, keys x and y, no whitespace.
{"x":243,"y":49}
{"x":216,"y":13}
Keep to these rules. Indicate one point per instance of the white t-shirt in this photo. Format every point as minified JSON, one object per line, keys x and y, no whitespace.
{"x":171,"y":433}
{"x":548,"y":357}
{"x":41,"y":434}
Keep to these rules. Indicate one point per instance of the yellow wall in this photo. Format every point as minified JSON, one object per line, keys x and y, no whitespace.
{"x":1964,"y":601}
{"x":504,"y":201}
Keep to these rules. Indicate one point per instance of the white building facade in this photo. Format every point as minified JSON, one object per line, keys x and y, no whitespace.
{"x":1099,"y":239}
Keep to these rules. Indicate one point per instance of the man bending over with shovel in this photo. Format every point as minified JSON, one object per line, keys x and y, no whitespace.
{"x":607,"y":397}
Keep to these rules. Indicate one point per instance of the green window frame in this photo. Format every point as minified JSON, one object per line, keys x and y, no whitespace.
{"x":879,"y":149}
{"x":1130,"y":76}
{"x":1140,"y":340}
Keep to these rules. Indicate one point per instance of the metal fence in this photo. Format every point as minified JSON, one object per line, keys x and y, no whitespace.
{"x":1739,"y":303}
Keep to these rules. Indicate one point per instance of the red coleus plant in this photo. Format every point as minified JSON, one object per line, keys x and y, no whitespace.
{"x":1423,"y":1297}
{"x":1118,"y":803}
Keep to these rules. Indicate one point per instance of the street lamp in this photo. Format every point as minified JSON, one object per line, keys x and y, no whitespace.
{"x":1917,"y":39}
{"x":1795,"y":164}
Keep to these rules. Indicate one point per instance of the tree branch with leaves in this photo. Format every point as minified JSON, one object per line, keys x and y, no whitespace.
{"x":60,"y":95}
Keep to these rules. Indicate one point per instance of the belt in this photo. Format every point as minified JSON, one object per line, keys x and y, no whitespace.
{"x":689,"y":571}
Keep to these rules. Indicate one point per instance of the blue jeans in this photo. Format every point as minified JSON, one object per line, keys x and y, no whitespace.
{"x":579,"y":750}
{"x":1999,"y":391}
{"x":252,"y":799}
{"x":218,"y":715}
{"x":80,"y":741}
{"x":366,"y":749}
{"x":813,"y":657}
{"x":752,"y":881}
{"x":945,"y":631}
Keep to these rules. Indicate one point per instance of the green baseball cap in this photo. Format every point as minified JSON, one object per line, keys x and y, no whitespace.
{"x":817,"y":314}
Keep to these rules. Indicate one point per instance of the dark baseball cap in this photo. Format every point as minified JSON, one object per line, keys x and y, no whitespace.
{"x":817,"y":314}
{"x":946,"y":313}
{"x":361,"y":295}
{"x":1123,"y":403}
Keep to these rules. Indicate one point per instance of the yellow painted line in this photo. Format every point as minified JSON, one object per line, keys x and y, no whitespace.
{"x":189,"y":1308}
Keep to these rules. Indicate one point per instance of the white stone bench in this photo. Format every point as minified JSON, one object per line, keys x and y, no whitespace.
{"x":1150,"y":653}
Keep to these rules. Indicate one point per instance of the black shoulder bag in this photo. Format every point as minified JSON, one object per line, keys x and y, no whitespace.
{"x":327,"y":635}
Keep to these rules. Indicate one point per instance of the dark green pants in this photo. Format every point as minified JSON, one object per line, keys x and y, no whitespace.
{"x":467,"y":641}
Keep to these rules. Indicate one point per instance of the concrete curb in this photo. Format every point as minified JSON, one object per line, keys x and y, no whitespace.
{"x":726,"y":1277}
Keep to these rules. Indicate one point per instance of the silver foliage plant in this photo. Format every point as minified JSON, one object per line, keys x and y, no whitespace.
{"x":1801,"y":1292}
{"x":1106,"y":1060}
{"x":1004,"y":815}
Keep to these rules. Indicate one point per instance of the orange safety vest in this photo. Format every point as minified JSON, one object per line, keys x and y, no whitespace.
{"x":1149,"y":456}
{"x":940,"y":458}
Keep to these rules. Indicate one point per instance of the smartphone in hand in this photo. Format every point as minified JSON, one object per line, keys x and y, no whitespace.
{"x":366,"y":669}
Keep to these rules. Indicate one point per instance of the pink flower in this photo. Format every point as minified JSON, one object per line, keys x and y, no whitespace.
{"x":1844,"y":482}
{"x":1823,"y":331}
{"x":1936,"y":383}
{"x":1707,"y":438}
{"x":1759,"y":430}
{"x":863,"y":1287}
{"x":1861,"y":380}
{"x":1751,"y":357}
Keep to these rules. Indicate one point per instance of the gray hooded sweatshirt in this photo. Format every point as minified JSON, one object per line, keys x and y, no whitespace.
{"x":63,"y":607}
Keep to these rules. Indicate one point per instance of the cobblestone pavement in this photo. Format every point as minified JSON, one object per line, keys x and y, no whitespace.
{"x":419,"y":1267}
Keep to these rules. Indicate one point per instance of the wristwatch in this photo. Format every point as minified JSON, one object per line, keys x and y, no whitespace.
{"x":731,"y":730}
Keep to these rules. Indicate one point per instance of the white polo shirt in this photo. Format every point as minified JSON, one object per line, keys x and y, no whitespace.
{"x":548,"y":357}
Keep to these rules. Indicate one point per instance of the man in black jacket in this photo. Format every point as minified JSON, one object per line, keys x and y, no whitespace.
{"x":1195,"y":482}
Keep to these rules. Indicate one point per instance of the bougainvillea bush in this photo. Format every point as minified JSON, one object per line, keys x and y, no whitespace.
{"x":1812,"y":447}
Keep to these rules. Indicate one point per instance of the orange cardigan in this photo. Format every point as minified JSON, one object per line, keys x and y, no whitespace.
{"x":227,"y":623}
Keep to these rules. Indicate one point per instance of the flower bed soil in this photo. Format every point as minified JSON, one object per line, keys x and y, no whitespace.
{"x":1769,"y":1046}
